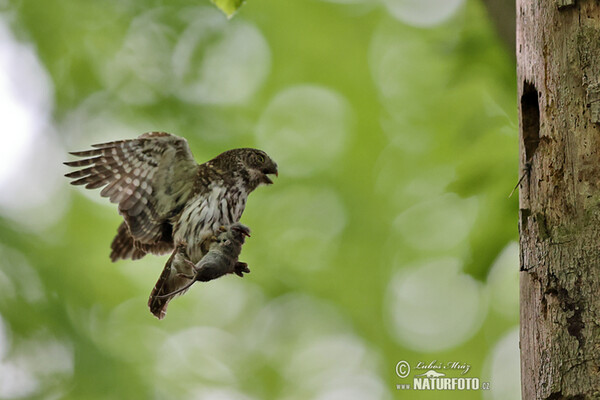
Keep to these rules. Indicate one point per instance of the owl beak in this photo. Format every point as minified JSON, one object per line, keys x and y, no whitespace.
{"x":270,"y":171}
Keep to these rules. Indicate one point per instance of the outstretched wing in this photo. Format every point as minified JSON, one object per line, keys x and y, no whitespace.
{"x":150,"y":178}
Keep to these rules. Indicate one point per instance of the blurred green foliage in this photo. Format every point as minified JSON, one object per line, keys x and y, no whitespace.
{"x":228,"y":6}
{"x":397,"y":148}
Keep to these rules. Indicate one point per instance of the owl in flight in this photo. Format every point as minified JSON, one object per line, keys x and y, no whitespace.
{"x":170,"y":203}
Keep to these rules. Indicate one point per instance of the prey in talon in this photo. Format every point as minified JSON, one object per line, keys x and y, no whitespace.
{"x":221,"y":259}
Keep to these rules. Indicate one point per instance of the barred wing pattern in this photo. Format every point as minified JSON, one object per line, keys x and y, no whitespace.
{"x":150,"y":178}
{"x":124,"y":246}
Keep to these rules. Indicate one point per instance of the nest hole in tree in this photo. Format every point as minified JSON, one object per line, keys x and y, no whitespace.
{"x":530,"y":119}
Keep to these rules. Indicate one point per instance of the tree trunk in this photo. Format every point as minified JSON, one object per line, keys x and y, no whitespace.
{"x":558,"y":65}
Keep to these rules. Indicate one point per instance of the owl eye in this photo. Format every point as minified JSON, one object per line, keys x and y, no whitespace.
{"x":260,"y":158}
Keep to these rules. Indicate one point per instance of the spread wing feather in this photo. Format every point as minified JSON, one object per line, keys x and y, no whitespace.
{"x":124,"y":246}
{"x":150,"y":178}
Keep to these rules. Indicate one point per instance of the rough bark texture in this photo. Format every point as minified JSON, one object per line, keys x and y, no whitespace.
{"x":558,"y":57}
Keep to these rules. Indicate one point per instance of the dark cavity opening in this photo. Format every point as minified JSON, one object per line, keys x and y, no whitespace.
{"x":530,"y":119}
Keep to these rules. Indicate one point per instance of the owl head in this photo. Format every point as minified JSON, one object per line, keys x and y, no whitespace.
{"x":253,"y":165}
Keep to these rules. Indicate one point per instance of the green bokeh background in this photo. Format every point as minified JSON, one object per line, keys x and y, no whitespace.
{"x":374,"y":245}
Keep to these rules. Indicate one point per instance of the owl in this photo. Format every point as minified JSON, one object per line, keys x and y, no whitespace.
{"x":168,"y":202}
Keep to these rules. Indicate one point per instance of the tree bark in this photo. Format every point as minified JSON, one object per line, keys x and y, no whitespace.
{"x":558,"y":69}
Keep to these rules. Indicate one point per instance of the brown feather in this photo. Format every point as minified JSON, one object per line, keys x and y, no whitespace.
{"x":82,"y":163}
{"x":86,"y":153}
{"x":164,"y":285}
{"x":124,"y":246}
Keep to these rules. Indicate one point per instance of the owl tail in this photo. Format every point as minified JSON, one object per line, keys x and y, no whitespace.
{"x":171,"y":283}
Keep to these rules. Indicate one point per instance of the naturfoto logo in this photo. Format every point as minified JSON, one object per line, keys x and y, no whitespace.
{"x":433,"y":376}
